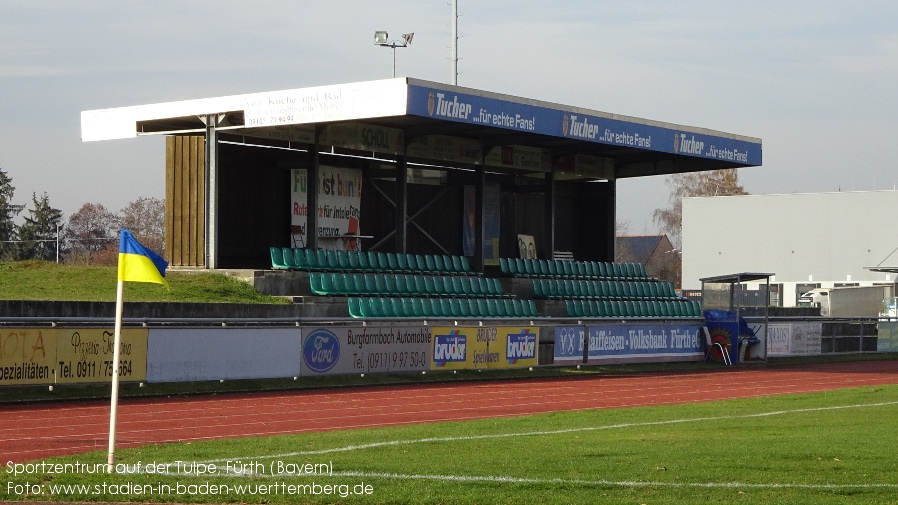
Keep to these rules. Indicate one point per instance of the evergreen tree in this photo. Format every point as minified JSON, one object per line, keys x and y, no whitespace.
{"x":39,"y":232}
{"x":8,"y":212}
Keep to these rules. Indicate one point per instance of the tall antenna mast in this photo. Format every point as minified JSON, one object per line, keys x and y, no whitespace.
{"x":454,"y":57}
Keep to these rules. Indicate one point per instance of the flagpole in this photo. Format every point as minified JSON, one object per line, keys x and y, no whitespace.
{"x":113,"y":410}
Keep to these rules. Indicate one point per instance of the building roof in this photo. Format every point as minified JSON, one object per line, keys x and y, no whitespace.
{"x":640,"y":248}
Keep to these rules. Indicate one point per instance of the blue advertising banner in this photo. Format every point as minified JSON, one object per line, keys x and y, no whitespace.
{"x":524,"y":117}
{"x":569,"y":344}
{"x":633,"y":343}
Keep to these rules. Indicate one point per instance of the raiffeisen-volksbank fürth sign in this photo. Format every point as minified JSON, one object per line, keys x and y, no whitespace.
{"x":525,"y":117}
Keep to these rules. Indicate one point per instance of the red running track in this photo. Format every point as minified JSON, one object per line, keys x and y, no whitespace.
{"x":36,"y":431}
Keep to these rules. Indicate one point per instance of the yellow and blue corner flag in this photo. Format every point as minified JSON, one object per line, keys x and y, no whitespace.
{"x":136,"y":263}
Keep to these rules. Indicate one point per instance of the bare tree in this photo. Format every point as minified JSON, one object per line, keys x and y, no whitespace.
{"x":90,"y":231}
{"x":145,"y":218}
{"x":690,"y":184}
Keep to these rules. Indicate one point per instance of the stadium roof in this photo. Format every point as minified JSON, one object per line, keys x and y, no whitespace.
{"x":475,"y":121}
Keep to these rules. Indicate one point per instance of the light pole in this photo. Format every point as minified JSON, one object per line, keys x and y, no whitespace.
{"x":381,"y":38}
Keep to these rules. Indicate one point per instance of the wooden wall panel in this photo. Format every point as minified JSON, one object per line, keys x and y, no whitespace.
{"x":185,"y":200}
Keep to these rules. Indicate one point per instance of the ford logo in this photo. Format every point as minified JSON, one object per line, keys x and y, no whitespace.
{"x":321,"y":351}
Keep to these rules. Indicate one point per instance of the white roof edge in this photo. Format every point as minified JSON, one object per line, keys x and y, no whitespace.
{"x":120,"y":122}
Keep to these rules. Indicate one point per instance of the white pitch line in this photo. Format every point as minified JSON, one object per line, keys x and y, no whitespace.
{"x":521,"y":480}
{"x":390,"y":443}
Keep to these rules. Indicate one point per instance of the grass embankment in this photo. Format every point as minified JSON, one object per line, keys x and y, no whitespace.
{"x":39,"y":280}
{"x":833,"y":447}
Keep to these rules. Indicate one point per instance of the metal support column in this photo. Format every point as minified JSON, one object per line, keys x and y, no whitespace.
{"x":611,"y":220}
{"x":480,"y":224}
{"x":401,"y":204}
{"x":312,"y":182}
{"x":549,"y":233}
{"x":211,"y":210}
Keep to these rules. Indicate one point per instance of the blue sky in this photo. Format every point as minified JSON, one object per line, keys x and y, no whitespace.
{"x":816,"y":80}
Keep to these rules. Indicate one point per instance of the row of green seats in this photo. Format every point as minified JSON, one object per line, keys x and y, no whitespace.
{"x":631,"y":308}
{"x":571,"y":288}
{"x":517,"y":267}
{"x":355,"y":284}
{"x":286,"y":258}
{"x":373,"y":307}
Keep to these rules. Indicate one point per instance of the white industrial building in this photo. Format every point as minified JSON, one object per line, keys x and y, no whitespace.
{"x":807,"y":240}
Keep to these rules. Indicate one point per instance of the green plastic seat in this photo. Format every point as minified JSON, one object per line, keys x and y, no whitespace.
{"x":429,"y":287}
{"x":330,"y":260}
{"x":355,"y":283}
{"x":383,"y":264}
{"x":342,"y":283}
{"x":337,"y":283}
{"x":418,"y":281}
{"x":400,"y":285}
{"x":496,"y":287}
{"x":465,"y":265}
{"x":401,"y":261}
{"x":277,"y":258}
{"x":445,"y":264}
{"x":464,"y":307}
{"x":392,"y":262}
{"x":389,"y":286}
{"x":373,"y":264}
{"x":392,"y":307}
{"x":380,"y":284}
{"x":377,"y":307}
{"x":567,"y":269}
{"x":429,"y":264}
{"x":316,"y":284}
{"x":445,"y":309}
{"x":448,"y":286}
{"x":538,"y":288}
{"x":317,"y":259}
{"x":406,"y":307}
{"x":452,"y":307}
{"x":526,"y":266}
{"x":286,"y":258}
{"x":352,"y":259}
{"x":696,"y":309}
{"x":342,"y":260}
{"x":504,"y":266}
{"x":355,"y":308}
{"x":362,"y":259}
{"x":439,"y":289}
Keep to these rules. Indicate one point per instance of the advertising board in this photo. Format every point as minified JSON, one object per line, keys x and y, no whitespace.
{"x":330,"y":350}
{"x":634,"y":343}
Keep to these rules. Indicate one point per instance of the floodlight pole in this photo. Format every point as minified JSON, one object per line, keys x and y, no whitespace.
{"x":393,"y":45}
{"x":454,"y":57}
{"x":406,"y":40}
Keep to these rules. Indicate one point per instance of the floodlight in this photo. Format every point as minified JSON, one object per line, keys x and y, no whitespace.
{"x":382,"y":39}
